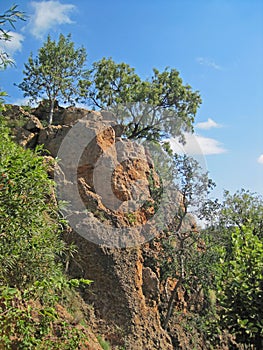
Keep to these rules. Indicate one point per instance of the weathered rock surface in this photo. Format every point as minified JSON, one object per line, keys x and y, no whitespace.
{"x":124,"y":297}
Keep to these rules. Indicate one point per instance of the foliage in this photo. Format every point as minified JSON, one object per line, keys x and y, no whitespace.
{"x":103,"y":343}
{"x":2,"y":107}
{"x":241,"y":287}
{"x":236,"y":232}
{"x":155,"y":191}
{"x":113,"y":83}
{"x":29,"y":228}
{"x":242,"y":209}
{"x":32,"y":282}
{"x":154,"y":108}
{"x":57,"y":73}
{"x":26,"y":323}
{"x":9,"y":17}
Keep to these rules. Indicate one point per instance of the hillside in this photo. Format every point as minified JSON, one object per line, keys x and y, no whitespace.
{"x":126,"y":304}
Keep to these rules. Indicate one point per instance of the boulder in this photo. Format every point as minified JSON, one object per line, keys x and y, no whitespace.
{"x":51,"y":137}
{"x":72,"y":114}
{"x":25,"y":138}
{"x":33,"y":124}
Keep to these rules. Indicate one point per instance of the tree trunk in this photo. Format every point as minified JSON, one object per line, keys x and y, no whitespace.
{"x":170,"y":304}
{"x":51,"y":112}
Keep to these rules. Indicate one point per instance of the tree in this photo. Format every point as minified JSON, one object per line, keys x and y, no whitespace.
{"x":186,"y":257}
{"x":240,"y":288}
{"x":8,"y":17}
{"x":151,"y":109}
{"x":57,"y":73}
{"x":242,"y":209}
{"x":237,"y":228}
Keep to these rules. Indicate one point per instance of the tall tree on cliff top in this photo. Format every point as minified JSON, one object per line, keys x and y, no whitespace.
{"x":163,"y":107}
{"x":57,"y":73}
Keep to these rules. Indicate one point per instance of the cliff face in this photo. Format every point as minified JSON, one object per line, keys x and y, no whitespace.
{"x":125,"y":293}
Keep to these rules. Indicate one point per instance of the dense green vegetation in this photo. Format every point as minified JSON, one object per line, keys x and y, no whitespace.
{"x":32,"y":282}
{"x":218,"y":269}
{"x":237,"y":236}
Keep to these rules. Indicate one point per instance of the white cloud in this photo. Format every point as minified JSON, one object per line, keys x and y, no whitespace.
{"x":260,"y":159}
{"x":48,"y":14}
{"x":12,"y":45}
{"x":209,"y":124}
{"x":25,"y":101}
{"x":197,"y":145}
{"x":82,"y":105}
{"x":209,"y":63}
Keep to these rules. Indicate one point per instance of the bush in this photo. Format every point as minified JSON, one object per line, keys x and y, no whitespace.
{"x":29,"y":227}
{"x":32,"y":282}
{"x":241,"y":289}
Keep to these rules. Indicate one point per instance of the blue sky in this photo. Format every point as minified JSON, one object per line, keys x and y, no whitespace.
{"x":216,"y":45}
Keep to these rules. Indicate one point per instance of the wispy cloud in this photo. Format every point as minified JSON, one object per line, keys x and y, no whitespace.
{"x":208,"y":62}
{"x":47,"y":15}
{"x":12,"y":45}
{"x":197,"y":145}
{"x":209,"y":124}
{"x":260,"y":159}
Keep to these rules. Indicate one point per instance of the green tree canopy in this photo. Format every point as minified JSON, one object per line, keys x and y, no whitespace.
{"x":57,"y":73}
{"x":153,"y":108}
{"x":243,"y":209}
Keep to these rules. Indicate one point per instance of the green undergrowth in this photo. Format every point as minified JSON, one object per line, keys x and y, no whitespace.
{"x":35,"y":294}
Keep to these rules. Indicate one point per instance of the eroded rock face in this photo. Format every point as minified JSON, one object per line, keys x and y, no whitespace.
{"x":123,"y":294}
{"x":112,"y":176}
{"x":62,"y":116}
{"x":25,"y":126}
{"x":106,"y":175}
{"x":113,"y":183}
{"x":151,"y":286}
